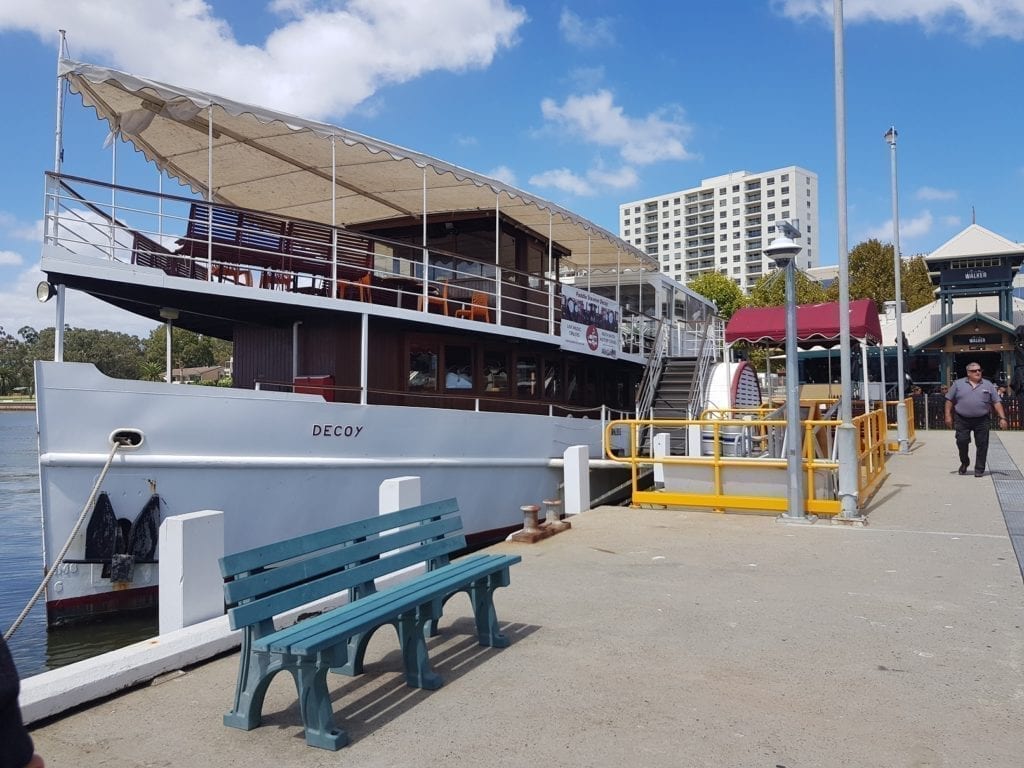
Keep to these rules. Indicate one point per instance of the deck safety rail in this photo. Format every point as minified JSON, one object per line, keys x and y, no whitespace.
{"x":722,"y":481}
{"x":890,"y":410}
{"x":185,"y":237}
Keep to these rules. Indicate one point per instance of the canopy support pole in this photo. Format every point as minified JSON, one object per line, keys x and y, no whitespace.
{"x":497,"y":258}
{"x":209,"y":193}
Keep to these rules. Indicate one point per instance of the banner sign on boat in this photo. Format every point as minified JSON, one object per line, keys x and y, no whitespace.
{"x":590,"y":323}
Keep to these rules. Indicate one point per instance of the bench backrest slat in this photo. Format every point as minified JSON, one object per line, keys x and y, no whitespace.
{"x":323,"y":562}
{"x":337,"y":581}
{"x":260,"y":557}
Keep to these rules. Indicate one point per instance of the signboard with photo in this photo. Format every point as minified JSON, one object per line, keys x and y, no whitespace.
{"x":590,"y":323}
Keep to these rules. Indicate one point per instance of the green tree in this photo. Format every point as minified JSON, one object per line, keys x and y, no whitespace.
{"x":770,"y":290}
{"x":916,"y":285}
{"x":871,"y":277}
{"x":720,"y":289}
{"x":8,"y":362}
{"x":188,"y":349}
{"x":113,"y":353}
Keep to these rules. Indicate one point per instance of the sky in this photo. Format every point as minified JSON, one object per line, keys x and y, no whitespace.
{"x":588,"y":104}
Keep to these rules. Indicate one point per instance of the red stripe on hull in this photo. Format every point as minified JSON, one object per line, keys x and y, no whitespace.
{"x":89,"y":607}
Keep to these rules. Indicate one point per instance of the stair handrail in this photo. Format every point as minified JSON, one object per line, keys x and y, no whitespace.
{"x":648,"y":387}
{"x":705,"y":355}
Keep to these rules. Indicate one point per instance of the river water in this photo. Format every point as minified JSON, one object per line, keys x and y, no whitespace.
{"x":21,"y":565}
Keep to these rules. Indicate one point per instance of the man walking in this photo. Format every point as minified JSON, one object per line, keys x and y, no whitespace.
{"x":969,"y":405}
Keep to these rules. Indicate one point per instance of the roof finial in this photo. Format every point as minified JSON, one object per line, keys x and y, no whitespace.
{"x":973,"y":219}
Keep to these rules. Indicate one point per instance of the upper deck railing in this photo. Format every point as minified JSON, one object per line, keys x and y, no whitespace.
{"x":190,"y":238}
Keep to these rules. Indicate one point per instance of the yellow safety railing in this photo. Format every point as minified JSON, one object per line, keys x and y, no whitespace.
{"x":894,"y":445}
{"x":724,"y":479}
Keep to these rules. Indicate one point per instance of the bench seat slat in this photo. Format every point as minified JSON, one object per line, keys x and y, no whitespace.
{"x":250,"y":560}
{"x":334,"y":559}
{"x":282,"y":637}
{"x":428,"y":587}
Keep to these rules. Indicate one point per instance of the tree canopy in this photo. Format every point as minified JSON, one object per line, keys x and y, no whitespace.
{"x":770,"y":290}
{"x":871,"y":277}
{"x":119,"y":355}
{"x":726,"y":295}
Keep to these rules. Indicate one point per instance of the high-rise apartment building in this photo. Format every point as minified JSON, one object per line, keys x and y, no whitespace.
{"x":725,"y":224}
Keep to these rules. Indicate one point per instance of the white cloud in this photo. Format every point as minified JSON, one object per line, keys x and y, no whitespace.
{"x":585,"y":34}
{"x":950,"y":221}
{"x":909,"y":229}
{"x":10,"y":259}
{"x":562,"y":179}
{"x":19,"y":307}
{"x":10,"y":226}
{"x":595,"y":118}
{"x":323,"y":60}
{"x":979,"y":18}
{"x":503,"y":173}
{"x":623,"y":178}
{"x":931,"y":193}
{"x":595,"y":181}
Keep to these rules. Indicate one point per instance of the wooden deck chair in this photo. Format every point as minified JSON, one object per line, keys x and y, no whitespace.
{"x":477,"y":309}
{"x":436,"y":301}
{"x":361,"y":286}
{"x":281,"y":281}
{"x":228,"y":273}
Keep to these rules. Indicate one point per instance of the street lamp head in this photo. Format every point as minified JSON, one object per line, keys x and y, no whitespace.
{"x":890,"y":136}
{"x":782,"y":250}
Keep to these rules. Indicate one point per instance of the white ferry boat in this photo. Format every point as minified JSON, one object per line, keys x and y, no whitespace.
{"x":391,"y":314}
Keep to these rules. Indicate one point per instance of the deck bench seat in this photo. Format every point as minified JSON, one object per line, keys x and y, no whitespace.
{"x":267,"y":581}
{"x":241,"y":237}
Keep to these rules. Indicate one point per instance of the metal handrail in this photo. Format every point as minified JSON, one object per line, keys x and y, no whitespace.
{"x":652,"y":373}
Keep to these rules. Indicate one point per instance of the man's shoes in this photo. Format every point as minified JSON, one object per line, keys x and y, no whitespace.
{"x":979,"y":472}
{"x":962,"y":470}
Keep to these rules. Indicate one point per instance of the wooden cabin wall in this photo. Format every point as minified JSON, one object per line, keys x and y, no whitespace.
{"x":261,"y":354}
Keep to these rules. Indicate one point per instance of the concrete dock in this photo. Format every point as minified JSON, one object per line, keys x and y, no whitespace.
{"x":674,"y":638}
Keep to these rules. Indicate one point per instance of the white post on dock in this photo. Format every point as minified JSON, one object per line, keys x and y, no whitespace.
{"x":576,"y":473}
{"x":191,"y":589}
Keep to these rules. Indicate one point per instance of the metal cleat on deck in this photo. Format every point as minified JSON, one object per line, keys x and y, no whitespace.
{"x":532,"y":530}
{"x":553,"y":516}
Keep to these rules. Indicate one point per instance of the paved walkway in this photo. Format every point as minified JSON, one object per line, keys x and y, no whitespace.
{"x":675,"y":638}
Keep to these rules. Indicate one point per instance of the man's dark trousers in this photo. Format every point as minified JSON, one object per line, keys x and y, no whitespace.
{"x":979,"y":425}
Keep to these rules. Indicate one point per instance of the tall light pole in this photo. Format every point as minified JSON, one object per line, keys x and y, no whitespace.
{"x":901,"y":405}
{"x":783,"y":251}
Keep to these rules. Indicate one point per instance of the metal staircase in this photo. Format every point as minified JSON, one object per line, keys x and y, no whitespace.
{"x":674,"y":395}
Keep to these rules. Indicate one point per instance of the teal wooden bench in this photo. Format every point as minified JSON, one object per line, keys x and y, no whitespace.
{"x":267,"y":581}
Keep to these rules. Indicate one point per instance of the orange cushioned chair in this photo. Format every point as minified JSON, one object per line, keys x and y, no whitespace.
{"x":478,"y":308}
{"x":436,"y":301}
{"x":361,"y":286}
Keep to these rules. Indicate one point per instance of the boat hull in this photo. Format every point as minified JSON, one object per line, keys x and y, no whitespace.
{"x":276,"y":464}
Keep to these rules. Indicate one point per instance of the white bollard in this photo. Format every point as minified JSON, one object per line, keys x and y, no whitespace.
{"x":397,"y":493}
{"x":662,"y":446}
{"x":576,"y":471}
{"x":191,"y":588}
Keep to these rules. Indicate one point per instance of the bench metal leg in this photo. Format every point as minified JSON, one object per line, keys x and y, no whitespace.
{"x":255,"y":671}
{"x":354,"y":653}
{"x":481,"y":593}
{"x":418,"y":672}
{"x":315,"y":707}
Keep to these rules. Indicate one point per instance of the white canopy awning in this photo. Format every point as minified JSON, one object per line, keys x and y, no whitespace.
{"x":271,"y":161}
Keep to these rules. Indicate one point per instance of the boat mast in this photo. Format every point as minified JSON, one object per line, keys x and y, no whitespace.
{"x":58,"y":158}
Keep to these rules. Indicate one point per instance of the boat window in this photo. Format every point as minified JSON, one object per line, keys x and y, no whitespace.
{"x":572,"y":390}
{"x":495,"y":371}
{"x":458,"y":367}
{"x":552,"y":380}
{"x":422,"y":368}
{"x":526,"y":377}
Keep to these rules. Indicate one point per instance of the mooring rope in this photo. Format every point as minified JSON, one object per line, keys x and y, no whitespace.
{"x":67,"y":544}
